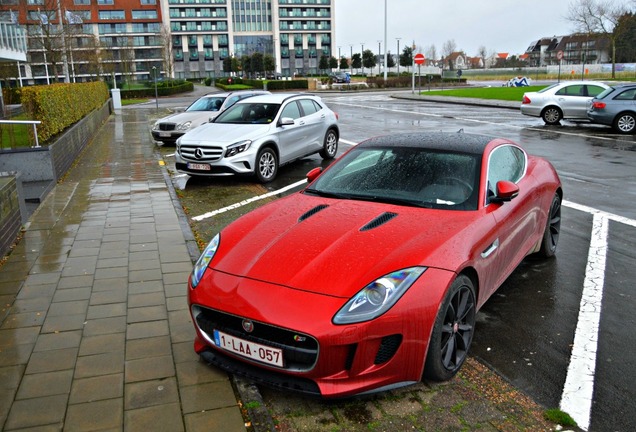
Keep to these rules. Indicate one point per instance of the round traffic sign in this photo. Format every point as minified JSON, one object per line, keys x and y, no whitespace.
{"x":419,"y":58}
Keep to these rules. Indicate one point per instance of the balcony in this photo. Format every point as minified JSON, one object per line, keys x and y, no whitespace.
{"x":13,"y":42}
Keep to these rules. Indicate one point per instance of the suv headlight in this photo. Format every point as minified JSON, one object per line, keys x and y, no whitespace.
{"x":377,"y":297}
{"x":237,"y":148}
{"x":204,"y":260}
{"x":184,"y":126}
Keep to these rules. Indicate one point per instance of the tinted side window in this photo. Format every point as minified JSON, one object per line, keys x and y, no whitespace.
{"x":572,"y":90}
{"x":506,"y":163}
{"x":593,"y":90}
{"x":291,"y":110}
{"x":627,"y":95}
{"x":309,"y":107}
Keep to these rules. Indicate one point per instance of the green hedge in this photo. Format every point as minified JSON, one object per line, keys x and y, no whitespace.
{"x":162,"y":90}
{"x":240,"y":83}
{"x":58,"y":106}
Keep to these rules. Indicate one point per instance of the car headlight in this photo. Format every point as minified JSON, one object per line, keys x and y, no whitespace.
{"x":184,"y":126}
{"x":238,"y":147}
{"x":204,"y":260}
{"x":155,"y":126}
{"x":377,"y":297}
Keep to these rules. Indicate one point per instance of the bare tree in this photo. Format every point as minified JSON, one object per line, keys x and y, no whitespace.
{"x":598,"y":17}
{"x":166,"y":53}
{"x":431,"y":53}
{"x":483,"y":53}
{"x":448,"y":48}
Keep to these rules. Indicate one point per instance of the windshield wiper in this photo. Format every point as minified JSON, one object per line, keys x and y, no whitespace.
{"x":326,"y":194}
{"x":371,"y":198}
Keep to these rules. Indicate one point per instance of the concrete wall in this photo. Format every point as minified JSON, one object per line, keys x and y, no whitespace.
{"x":49,"y":163}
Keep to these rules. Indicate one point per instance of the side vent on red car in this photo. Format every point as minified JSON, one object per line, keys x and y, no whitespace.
{"x":380,"y":220}
{"x":312,"y":212}
{"x":388,"y":348}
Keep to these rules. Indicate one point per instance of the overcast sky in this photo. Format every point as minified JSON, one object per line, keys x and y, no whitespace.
{"x":499,"y":25}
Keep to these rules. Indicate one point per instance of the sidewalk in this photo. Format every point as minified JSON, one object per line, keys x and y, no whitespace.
{"x":94,"y":328}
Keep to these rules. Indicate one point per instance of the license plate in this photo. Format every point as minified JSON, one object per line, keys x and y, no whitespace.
{"x":165,"y":134}
{"x":199,"y":167}
{"x":262,"y":353}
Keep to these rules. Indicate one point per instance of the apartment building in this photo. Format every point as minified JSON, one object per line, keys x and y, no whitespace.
{"x":296,"y":33}
{"x":138,"y":39}
{"x":79,"y":40}
{"x":573,"y":49}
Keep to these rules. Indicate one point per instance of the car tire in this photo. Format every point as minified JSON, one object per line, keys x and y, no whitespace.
{"x":330,"y":145}
{"x":266,"y":165}
{"x":452,"y":332}
{"x":551,"y":115}
{"x":552,"y":229}
{"x":625,"y":123}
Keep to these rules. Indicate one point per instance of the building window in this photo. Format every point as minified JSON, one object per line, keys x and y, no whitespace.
{"x":209,"y":54}
{"x":148,"y":2}
{"x":82,"y":2}
{"x":35,"y":2}
{"x":144,"y":14}
{"x":105,"y":2}
{"x":112,"y":15}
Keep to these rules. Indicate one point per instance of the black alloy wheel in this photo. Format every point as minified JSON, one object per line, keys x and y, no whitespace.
{"x":453,"y":331}
{"x":552,"y":229}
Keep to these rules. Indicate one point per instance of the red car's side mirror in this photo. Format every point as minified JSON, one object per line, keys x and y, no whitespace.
{"x":506,"y":191}
{"x":311,"y":175}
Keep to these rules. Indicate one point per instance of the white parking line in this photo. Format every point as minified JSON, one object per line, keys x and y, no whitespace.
{"x":578,"y":390}
{"x":249,"y":200}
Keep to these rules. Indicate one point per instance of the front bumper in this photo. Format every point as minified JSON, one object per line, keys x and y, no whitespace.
{"x":166,"y":136}
{"x":240,"y":164}
{"x":320,"y":358}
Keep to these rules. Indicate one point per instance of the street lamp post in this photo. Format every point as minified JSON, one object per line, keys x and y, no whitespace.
{"x":362,"y":57}
{"x":379,"y":55}
{"x":351,"y":59}
{"x":385,"y":30}
{"x":154,"y":73}
{"x":339,"y":58}
{"x":398,"y":56}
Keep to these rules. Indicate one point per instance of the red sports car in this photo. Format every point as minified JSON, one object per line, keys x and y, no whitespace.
{"x":370,"y":277}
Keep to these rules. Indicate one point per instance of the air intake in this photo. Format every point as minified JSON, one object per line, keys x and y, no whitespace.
{"x":312,"y":212}
{"x":380,"y":220}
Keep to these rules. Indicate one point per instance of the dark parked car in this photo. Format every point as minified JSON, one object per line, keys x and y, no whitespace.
{"x":615,"y":107}
{"x":339,"y":77}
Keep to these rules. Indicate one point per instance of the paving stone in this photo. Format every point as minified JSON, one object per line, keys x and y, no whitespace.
{"x":207,"y":396}
{"x":148,"y":347}
{"x":63,"y":323}
{"x":147,"y":329}
{"x":146,"y":299}
{"x":147,"y":313}
{"x":160,"y":417}
{"x":19,"y":336}
{"x":61,"y":340}
{"x":113,"y":342}
{"x":149,"y":368}
{"x":194,"y":372}
{"x":99,"y":364}
{"x":96,"y":415}
{"x":34,"y":412}
{"x":52,"y":360}
{"x":67,"y":308}
{"x":97,"y":388}
{"x":106,"y":311}
{"x":149,"y":393}
{"x":224,"y":419}
{"x":45,"y":384}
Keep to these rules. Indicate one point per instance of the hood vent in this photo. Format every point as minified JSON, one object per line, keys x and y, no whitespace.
{"x":380,"y":220}
{"x":312,"y":212}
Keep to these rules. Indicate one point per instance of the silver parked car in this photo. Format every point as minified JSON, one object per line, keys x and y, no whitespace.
{"x":564,"y":100}
{"x":259,"y":134}
{"x":203,"y":110}
{"x":615,"y":107}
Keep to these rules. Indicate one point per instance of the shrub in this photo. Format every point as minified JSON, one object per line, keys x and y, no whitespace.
{"x":58,"y":106}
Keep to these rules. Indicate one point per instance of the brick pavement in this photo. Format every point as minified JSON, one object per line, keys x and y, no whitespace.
{"x":94,"y":328}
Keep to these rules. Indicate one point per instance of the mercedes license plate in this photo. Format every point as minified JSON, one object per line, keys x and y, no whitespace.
{"x":199,"y":167}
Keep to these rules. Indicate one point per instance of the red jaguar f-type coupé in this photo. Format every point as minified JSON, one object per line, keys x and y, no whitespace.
{"x":370,"y":277}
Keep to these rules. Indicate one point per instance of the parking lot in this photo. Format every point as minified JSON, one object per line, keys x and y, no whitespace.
{"x":559,"y":331}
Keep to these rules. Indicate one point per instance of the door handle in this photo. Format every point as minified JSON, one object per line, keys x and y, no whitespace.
{"x":490,"y":249}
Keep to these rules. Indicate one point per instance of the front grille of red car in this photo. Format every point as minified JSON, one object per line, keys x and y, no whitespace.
{"x":300,"y":351}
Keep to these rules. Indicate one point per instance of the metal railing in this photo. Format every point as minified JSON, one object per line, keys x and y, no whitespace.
{"x":26,"y":122}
